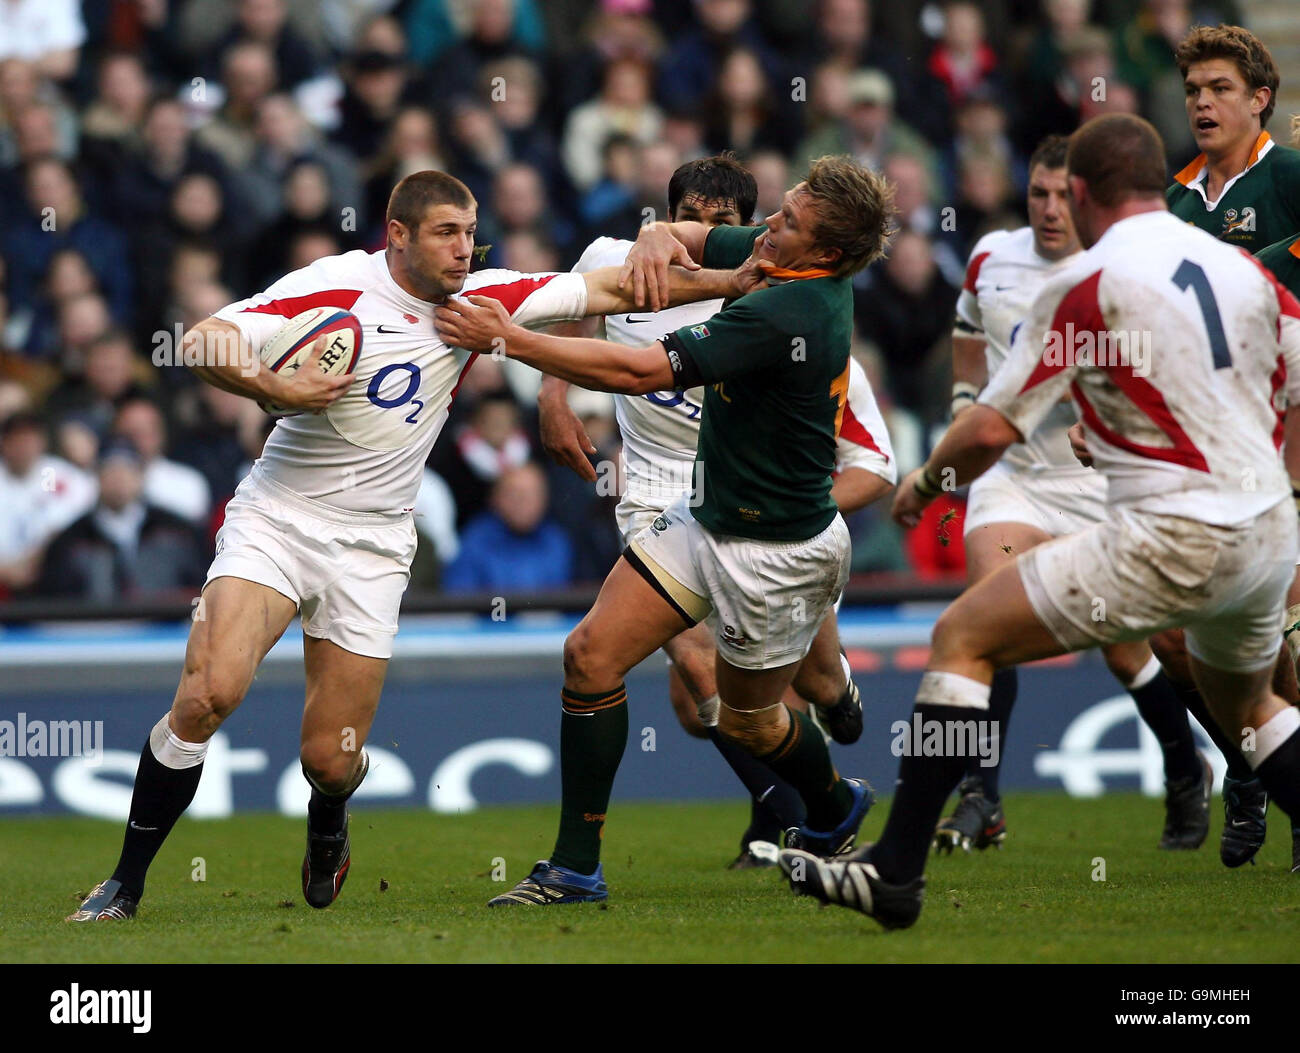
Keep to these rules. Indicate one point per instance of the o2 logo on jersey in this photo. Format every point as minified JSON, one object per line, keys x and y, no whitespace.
{"x":401,"y":390}
{"x":674,"y":399}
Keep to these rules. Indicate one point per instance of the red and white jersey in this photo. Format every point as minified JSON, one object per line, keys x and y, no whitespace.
{"x":1180,"y":352}
{"x":366,"y":453}
{"x":662,"y":429}
{"x":1004,"y":276}
{"x":863,"y":441}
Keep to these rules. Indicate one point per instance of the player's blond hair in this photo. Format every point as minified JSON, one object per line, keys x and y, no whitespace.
{"x":855,"y":211}
{"x":1238,"y":45}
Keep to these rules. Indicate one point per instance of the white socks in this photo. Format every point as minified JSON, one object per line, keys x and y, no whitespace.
{"x":172,"y":752}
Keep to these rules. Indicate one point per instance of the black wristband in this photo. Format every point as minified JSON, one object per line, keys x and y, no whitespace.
{"x":927,"y":485}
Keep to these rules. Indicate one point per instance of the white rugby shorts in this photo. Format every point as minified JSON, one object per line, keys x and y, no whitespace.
{"x":1139,"y":573}
{"x":1057,"y":504}
{"x":346,"y":571}
{"x":765,"y":600}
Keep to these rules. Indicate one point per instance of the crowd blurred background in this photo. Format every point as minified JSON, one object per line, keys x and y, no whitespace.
{"x":162,"y":158}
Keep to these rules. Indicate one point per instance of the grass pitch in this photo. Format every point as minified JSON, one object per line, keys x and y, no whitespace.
{"x":419,"y":881}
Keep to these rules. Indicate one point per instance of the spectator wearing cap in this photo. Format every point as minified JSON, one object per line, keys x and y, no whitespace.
{"x":513,"y":545}
{"x":870,"y":131}
{"x":376,"y":86}
{"x":40,"y":495}
{"x":169,"y":485}
{"x":124,"y":547}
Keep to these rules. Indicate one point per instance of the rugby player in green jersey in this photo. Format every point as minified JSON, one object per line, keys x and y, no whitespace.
{"x":758,"y":547}
{"x":1283,"y":259}
{"x":1244,"y":187}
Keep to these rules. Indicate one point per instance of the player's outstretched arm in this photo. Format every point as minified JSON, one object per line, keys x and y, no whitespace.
{"x":223,"y":357}
{"x":967,"y":450}
{"x":606,"y":296}
{"x":481,"y":324}
{"x":658,"y":246}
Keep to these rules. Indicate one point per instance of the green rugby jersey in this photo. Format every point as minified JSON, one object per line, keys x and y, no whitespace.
{"x":1259,"y":207}
{"x":1283,"y":259}
{"x":776,"y":363}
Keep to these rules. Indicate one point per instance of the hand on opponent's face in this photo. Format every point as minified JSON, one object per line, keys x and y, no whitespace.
{"x":647,"y":266}
{"x":476,"y":323}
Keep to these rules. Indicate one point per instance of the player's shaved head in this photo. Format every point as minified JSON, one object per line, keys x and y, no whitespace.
{"x":412,"y":198}
{"x":1119,"y":157}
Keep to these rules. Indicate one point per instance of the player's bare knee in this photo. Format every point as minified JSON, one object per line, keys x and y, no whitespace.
{"x":952,"y":639}
{"x":327,"y":764}
{"x":203,"y":702}
{"x":757,"y":732}
{"x":585,"y":666}
{"x":1170,"y":648}
{"x":1125,"y":662}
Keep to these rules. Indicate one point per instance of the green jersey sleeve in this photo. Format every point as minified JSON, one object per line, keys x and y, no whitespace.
{"x":738,"y":339}
{"x":728,"y":247}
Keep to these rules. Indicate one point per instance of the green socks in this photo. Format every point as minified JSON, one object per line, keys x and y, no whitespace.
{"x":803,"y":761}
{"x":593,"y":734}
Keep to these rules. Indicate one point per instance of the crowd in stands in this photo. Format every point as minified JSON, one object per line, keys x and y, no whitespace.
{"x":162,"y":158}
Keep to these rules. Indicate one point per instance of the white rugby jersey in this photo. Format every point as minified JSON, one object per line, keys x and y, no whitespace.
{"x":661,"y":429}
{"x":1186,"y":420}
{"x":1004,"y":275}
{"x":366,"y":453}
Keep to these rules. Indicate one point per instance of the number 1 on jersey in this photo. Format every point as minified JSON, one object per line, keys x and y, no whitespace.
{"x":1191,"y":276}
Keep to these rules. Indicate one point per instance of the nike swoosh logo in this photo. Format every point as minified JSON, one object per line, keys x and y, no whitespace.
{"x":1002,"y":288}
{"x":136,"y":826}
{"x":381,"y":329}
{"x":632,"y":319}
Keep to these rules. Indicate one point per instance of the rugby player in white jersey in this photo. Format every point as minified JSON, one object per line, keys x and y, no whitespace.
{"x":1199,"y":533}
{"x":322,"y":526}
{"x":1038,"y":491}
{"x":660,"y":431}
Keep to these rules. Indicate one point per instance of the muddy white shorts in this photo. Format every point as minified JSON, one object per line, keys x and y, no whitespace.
{"x":1056,"y":503}
{"x":764,"y":599}
{"x":346,"y":571}
{"x":1139,"y":573}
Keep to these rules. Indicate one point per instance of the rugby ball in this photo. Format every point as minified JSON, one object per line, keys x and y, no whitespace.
{"x":290,"y":346}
